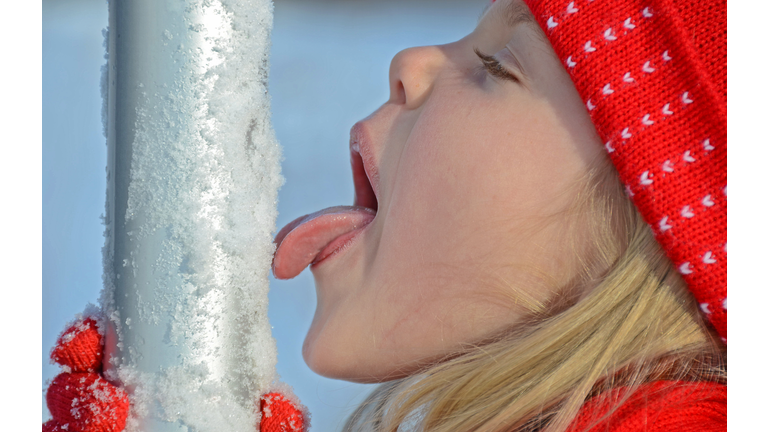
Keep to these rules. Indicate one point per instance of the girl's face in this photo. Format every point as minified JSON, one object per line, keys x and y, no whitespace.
{"x":471,"y":165}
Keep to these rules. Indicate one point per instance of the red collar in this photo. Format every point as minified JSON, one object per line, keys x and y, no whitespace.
{"x":667,"y":406}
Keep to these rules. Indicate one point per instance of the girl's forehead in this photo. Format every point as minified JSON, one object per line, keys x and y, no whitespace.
{"x":510,"y":13}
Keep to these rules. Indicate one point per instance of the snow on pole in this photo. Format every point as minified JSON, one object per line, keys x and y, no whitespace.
{"x":193,"y":173}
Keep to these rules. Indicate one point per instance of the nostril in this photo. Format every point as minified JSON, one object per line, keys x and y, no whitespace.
{"x":398,"y":93}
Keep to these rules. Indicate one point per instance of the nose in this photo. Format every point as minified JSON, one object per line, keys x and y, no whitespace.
{"x":412,"y":75}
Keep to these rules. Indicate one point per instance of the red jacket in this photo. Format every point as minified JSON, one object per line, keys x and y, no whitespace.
{"x":661,"y":406}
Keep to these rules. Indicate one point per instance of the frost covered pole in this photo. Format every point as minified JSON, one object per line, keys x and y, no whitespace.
{"x":193,"y":174}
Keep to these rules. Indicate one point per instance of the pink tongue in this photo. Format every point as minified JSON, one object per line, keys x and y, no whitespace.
{"x":301,"y":242}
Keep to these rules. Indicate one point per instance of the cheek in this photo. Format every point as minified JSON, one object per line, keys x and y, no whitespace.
{"x":469,"y":168}
{"x":473,"y":183}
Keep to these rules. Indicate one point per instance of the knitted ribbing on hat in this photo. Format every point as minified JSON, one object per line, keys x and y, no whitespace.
{"x":652,"y":74}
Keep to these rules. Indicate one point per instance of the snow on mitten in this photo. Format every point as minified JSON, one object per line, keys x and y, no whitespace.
{"x":79,"y":399}
{"x":278,"y":414}
{"x":79,"y":348}
{"x":87,"y":403}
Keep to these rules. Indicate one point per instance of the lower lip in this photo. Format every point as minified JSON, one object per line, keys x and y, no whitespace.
{"x":338,"y":246}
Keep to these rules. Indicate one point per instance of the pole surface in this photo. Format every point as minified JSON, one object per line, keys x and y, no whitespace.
{"x":193,"y":173}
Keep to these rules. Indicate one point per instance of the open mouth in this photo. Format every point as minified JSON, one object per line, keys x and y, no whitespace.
{"x":315,"y":237}
{"x":365,"y":196}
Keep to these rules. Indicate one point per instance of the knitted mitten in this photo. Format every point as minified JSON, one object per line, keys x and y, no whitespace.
{"x":81,"y":400}
{"x":278,"y":414}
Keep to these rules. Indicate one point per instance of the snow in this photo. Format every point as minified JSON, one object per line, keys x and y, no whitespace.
{"x":189,"y":224}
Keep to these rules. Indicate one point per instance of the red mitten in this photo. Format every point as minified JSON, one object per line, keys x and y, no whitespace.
{"x":79,"y":399}
{"x":79,"y":348}
{"x":278,"y":414}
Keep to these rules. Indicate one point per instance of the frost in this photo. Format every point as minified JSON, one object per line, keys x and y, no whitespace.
{"x":104,"y":84}
{"x":190,"y":213}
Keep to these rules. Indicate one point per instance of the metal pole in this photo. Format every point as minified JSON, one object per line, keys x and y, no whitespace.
{"x":193,"y":174}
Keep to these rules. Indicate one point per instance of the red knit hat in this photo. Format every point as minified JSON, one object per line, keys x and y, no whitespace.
{"x":652,"y":74}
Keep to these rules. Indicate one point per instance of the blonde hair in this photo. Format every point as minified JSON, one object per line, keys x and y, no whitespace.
{"x":627,"y":319}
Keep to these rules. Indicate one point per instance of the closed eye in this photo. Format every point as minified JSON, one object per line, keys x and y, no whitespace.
{"x":495,"y":68}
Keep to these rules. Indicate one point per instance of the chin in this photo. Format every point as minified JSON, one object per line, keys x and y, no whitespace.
{"x":329,"y":358}
{"x":333,"y":355}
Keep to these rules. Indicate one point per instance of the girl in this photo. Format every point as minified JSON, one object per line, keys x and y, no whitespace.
{"x":538,"y":240}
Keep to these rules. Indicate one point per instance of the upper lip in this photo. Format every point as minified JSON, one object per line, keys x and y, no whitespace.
{"x":361,"y":155}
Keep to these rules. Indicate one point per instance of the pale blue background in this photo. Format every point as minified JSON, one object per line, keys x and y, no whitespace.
{"x":330,"y":61}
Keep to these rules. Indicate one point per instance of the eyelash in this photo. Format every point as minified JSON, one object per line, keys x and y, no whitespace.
{"x":494,"y":68}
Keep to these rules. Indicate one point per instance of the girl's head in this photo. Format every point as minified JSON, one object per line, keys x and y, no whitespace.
{"x":475,"y":164}
{"x":485,"y":206}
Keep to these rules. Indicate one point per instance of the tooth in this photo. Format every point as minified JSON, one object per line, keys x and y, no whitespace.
{"x":356,"y":147}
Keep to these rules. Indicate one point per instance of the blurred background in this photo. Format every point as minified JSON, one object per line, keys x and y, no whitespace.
{"x":329,"y":68}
